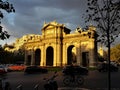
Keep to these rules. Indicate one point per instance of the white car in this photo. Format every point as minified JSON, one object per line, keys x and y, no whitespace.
{"x":2,"y":67}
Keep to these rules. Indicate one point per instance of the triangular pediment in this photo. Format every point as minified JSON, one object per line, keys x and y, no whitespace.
{"x":48,"y":26}
{"x":51,"y":25}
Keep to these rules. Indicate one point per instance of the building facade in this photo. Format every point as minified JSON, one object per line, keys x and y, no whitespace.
{"x":58,"y":47}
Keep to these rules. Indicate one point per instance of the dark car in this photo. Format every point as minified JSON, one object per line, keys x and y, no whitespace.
{"x":78,"y":70}
{"x":35,"y":69}
{"x":2,"y":72}
{"x":103,"y":67}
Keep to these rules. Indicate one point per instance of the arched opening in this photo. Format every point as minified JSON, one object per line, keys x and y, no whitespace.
{"x":85,"y":59}
{"x":49,"y":56}
{"x":37,"y":56}
{"x":71,"y":55}
{"x":28,"y":60}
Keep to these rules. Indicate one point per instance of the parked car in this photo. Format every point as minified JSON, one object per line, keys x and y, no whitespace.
{"x":103,"y":67}
{"x":35,"y":69}
{"x":78,"y":70}
{"x":16,"y":67}
{"x":3,"y":70}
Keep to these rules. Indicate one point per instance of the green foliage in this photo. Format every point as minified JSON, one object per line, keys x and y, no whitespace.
{"x":6,"y":6}
{"x":92,"y":68}
{"x":9,"y":57}
{"x":115,"y":53}
{"x":5,"y":56}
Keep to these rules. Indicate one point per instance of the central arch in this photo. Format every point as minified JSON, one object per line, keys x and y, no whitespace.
{"x":49,"y":56}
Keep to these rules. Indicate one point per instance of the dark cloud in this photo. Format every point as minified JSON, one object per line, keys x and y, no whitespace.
{"x":30,"y":14}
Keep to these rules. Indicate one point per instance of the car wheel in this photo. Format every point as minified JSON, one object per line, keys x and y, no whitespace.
{"x":80,"y":80}
{"x":67,"y":80}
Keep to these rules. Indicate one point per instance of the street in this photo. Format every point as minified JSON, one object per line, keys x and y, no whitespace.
{"x":94,"y":81}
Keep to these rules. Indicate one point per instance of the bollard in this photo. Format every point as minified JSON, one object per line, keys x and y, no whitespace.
{"x":19,"y":87}
{"x":36,"y":87}
{"x":7,"y":86}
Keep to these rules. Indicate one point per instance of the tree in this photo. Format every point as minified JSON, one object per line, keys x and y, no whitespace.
{"x":115,"y":53}
{"x":106,"y":16}
{"x":7,"y":57}
{"x":5,"y":5}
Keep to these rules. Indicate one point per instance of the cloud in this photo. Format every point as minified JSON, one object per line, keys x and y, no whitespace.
{"x":31,"y":14}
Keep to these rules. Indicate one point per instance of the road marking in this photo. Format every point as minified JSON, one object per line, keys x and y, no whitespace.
{"x":72,"y":88}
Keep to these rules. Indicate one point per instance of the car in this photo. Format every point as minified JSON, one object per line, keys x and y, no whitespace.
{"x":3,"y":68}
{"x":78,"y":70}
{"x":103,"y":67}
{"x":2,"y":72}
{"x":35,"y":69}
{"x":16,"y":67}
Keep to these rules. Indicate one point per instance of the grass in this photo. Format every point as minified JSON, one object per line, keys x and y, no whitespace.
{"x":54,"y":68}
{"x":92,"y":68}
{"x":60,"y":68}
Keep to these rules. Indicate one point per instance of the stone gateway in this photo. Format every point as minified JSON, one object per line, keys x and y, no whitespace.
{"x":58,"y":47}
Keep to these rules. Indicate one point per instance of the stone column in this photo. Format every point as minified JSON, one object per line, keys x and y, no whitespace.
{"x":55,"y":55}
{"x":92,"y":54}
{"x":41,"y":63}
{"x":43,"y":56}
{"x":26,"y":54}
{"x":64,"y":62}
{"x":78,"y":52}
{"x":32,"y":57}
{"x":59,"y":54}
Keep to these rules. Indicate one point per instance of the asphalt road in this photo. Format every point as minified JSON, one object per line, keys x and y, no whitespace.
{"x":94,"y":81}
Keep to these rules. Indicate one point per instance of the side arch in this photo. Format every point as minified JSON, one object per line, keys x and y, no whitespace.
{"x":71,"y":55}
{"x":37,"y":57}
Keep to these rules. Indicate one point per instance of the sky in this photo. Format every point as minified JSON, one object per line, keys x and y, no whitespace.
{"x":30,"y":15}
